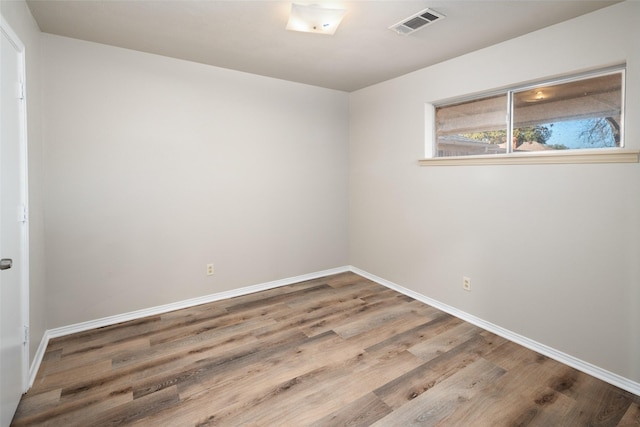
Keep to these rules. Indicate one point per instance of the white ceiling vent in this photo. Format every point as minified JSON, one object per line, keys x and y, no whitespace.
{"x":416,"y":22}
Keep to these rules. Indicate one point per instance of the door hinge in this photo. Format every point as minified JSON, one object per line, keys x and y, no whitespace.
{"x":23,"y":214}
{"x":21,"y":91}
{"x":26,"y":335}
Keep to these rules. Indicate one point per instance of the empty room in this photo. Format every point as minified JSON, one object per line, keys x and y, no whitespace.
{"x":272,"y":213}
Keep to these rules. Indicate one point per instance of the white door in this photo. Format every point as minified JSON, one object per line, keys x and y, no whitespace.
{"x":13,"y":365}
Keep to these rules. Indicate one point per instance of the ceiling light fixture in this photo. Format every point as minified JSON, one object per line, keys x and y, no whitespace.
{"x":314,"y":19}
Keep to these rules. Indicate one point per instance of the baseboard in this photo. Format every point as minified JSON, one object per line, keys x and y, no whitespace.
{"x":587,"y":368}
{"x":37,"y":358}
{"x":153,"y":311}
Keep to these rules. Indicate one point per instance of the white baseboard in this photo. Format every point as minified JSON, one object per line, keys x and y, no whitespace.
{"x":587,"y":368}
{"x":37,"y":359}
{"x":153,"y":311}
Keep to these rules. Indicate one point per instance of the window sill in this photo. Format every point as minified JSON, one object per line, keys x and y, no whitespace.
{"x":565,"y":157}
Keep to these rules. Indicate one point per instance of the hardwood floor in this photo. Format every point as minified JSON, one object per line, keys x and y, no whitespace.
{"x":335,"y":351}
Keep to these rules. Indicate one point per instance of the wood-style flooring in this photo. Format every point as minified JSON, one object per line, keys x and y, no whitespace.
{"x":335,"y":351}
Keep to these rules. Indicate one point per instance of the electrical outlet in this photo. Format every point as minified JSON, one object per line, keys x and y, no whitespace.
{"x":466,"y":283}
{"x":209,"y":269}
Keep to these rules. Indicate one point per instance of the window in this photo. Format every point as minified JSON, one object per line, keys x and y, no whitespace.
{"x":574,"y":113}
{"x":473,"y":127}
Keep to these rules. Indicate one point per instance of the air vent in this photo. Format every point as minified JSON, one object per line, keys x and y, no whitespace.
{"x":416,"y":22}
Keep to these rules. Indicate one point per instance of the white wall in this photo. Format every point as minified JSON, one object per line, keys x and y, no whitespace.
{"x":156,"y":167}
{"x":18,"y":16}
{"x":553,"y":251}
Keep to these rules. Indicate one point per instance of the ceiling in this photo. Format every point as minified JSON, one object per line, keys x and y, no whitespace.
{"x":250,"y":36}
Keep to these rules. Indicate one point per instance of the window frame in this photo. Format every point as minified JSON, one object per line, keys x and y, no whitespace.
{"x":617,"y":154}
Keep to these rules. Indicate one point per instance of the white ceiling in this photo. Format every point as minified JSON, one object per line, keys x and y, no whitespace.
{"x":250,"y":36}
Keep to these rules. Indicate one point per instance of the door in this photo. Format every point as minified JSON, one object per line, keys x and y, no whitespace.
{"x":13,"y":364}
